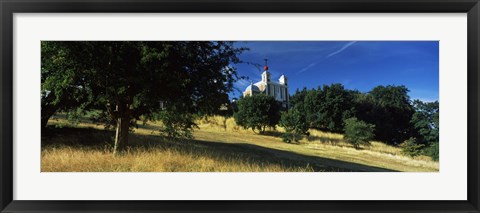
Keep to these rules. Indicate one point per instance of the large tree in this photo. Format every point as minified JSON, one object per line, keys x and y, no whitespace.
{"x":336,"y":106}
{"x":129,"y":79}
{"x":63,"y":85}
{"x":298,"y":98}
{"x":425,"y":120}
{"x":389,"y":108}
{"x":311,"y":107}
{"x":327,"y":106}
{"x":257,"y":112}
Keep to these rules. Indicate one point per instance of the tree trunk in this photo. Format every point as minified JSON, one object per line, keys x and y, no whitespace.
{"x":46,"y":113}
{"x":262,"y":131}
{"x":121,"y":136}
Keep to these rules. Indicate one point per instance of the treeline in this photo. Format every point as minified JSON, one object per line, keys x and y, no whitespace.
{"x":385,"y":113}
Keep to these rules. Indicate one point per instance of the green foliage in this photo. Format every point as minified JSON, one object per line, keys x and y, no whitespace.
{"x":325,"y":107}
{"x":411,"y":148}
{"x":389,"y":108}
{"x":311,"y":107}
{"x":433,"y":151}
{"x":139,"y":74}
{"x":297,"y":100}
{"x":358,"y":132}
{"x":337,"y":106}
{"x":425,"y":121}
{"x":62,"y":86}
{"x":257,"y":112}
{"x":128,"y":79}
{"x":176,"y":125}
{"x":295,"y":125}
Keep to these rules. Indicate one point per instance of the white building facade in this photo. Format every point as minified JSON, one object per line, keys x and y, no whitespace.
{"x":278,"y":90}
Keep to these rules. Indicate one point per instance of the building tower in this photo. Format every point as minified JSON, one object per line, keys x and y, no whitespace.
{"x":277,"y":89}
{"x":283,"y":80}
{"x":265,"y":74}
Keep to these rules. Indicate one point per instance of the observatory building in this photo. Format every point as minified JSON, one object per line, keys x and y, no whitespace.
{"x":279,"y":90}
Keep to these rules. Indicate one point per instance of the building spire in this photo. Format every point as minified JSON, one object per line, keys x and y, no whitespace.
{"x":266,"y":65}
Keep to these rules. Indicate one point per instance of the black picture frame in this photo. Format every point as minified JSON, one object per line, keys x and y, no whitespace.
{"x":9,"y":7}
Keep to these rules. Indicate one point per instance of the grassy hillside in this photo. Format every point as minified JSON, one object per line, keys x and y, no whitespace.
{"x":219,"y":145}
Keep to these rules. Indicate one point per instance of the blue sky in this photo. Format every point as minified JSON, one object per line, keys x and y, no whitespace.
{"x":359,"y":65}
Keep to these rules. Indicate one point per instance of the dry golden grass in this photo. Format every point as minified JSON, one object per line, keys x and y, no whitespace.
{"x":82,"y":159}
{"x":220,"y":123}
{"x":336,"y":139}
{"x":87,"y":148}
{"x":221,"y":146}
{"x":339,"y":155}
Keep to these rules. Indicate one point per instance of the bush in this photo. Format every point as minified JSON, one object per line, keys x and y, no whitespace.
{"x":176,"y":125}
{"x":358,"y":132}
{"x":411,"y":148}
{"x":433,"y":151}
{"x":257,"y":112}
{"x":295,"y":125}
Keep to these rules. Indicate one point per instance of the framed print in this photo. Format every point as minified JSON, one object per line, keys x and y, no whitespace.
{"x":239,"y":106}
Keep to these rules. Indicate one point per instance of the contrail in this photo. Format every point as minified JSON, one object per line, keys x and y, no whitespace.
{"x":344,"y":47}
{"x":307,"y":67}
{"x":341,"y":49}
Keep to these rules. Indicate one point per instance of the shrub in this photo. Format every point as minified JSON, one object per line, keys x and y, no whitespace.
{"x":433,"y":151}
{"x":257,"y":112}
{"x":295,"y":125}
{"x":358,"y":132}
{"x":176,"y":125}
{"x":411,"y":148}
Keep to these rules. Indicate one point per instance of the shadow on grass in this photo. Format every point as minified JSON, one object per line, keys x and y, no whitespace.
{"x":72,"y":136}
{"x":323,"y":139}
{"x":272,"y":133}
{"x":248,"y":153}
{"x":309,"y":138}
